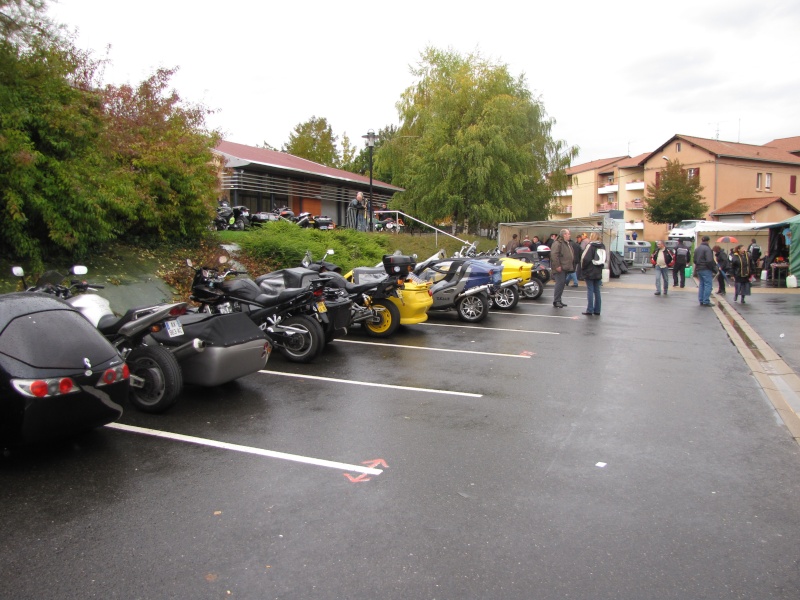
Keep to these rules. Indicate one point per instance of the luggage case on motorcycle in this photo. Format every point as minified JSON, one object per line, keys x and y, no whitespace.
{"x":398,"y":264}
{"x":338,"y":310}
{"x":234,"y":347}
{"x":368,"y":274}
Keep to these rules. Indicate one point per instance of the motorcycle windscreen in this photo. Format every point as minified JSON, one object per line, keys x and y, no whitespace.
{"x":55,"y":339}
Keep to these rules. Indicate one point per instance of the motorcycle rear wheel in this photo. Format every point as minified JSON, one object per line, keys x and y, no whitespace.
{"x":162,"y":376}
{"x":389,"y":316}
{"x":506,"y":298}
{"x":311,"y":343}
{"x":534,"y":290}
{"x":473,"y":309}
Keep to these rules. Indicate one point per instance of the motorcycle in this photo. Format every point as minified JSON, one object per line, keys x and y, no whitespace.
{"x":372,"y":306}
{"x":321,"y":222}
{"x":517,"y":278}
{"x":539,"y":258}
{"x":156,"y":378}
{"x":236,"y":218}
{"x":206,"y":350}
{"x":287,"y":316}
{"x":463,"y":284}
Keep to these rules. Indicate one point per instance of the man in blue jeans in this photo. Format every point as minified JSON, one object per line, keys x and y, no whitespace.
{"x":662,"y":259}
{"x":705,"y":267}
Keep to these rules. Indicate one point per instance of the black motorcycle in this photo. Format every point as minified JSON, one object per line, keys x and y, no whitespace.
{"x":289,"y":316}
{"x":236,"y":218}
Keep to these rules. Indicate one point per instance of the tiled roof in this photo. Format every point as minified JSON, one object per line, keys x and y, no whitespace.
{"x":239,"y":155}
{"x":789,"y":144}
{"x":595,"y":164}
{"x":749,"y":206}
{"x":736,"y":150}
{"x":636,"y":161}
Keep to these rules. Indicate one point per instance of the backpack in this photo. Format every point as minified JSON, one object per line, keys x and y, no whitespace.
{"x":599,"y":257}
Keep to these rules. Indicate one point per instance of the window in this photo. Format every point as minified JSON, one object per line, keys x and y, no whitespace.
{"x":768,"y":182}
{"x":793,"y":184}
{"x":677,"y":146}
{"x":758,"y":180}
{"x":693,"y":173}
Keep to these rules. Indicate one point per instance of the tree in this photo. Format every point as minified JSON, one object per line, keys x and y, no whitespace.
{"x":359,"y":162}
{"x":473,"y":144}
{"x":675,"y":197}
{"x":314,"y":140}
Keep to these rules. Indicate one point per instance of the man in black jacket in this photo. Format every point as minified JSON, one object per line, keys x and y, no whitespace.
{"x":683,"y":258}
{"x":705,"y":266}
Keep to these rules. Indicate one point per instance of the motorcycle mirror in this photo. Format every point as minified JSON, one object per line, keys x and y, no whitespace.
{"x":223,"y":259}
{"x":18,"y":271}
{"x":329,"y":252}
{"x":79,"y":270}
{"x":189,"y":262}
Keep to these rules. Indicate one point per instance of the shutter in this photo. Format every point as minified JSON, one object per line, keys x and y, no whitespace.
{"x":793,"y":184}
{"x":658,"y":179}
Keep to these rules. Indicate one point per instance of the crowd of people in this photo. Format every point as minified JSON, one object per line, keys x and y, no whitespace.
{"x":739,"y":266}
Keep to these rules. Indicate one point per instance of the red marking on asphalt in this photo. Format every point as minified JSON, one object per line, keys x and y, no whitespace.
{"x":372,"y":464}
{"x":526,"y":353}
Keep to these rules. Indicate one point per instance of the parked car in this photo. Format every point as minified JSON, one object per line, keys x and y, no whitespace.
{"x":58,"y":374}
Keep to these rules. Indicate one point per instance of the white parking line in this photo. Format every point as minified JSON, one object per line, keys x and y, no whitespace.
{"x":368,"y":384}
{"x":517,"y":314}
{"x":491,"y":329}
{"x":340,"y":341}
{"x":177,"y":437}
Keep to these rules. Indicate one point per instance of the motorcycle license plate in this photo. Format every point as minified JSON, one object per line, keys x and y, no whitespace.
{"x":174,"y":328}
{"x":323,"y":227}
{"x":321,"y":307}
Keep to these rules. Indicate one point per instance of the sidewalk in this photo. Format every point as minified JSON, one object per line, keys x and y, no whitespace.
{"x":765,"y":331}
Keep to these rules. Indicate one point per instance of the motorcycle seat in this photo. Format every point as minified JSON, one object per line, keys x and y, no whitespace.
{"x":278,"y":296}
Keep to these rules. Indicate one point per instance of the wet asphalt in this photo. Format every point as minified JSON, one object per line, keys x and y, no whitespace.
{"x":540,"y":454}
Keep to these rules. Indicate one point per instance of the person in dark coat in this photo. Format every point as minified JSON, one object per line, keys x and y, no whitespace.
{"x":683,"y":258}
{"x":576,"y":253}
{"x":742,"y":268}
{"x":561,"y":263}
{"x":724,"y":266}
{"x":592,"y":264}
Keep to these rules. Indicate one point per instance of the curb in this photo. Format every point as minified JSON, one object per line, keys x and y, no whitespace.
{"x":777,"y":379}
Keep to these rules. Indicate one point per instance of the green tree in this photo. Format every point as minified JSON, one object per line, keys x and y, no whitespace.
{"x":677,"y":196}
{"x":473,"y":144}
{"x":161,"y":153}
{"x":314,"y":140}
{"x":359,"y":161}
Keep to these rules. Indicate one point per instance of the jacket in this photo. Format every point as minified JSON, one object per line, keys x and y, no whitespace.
{"x":576,"y":254}
{"x":668,"y":258}
{"x":742,"y":266}
{"x":704,"y":258}
{"x":588,"y":268}
{"x":683,"y":256}
{"x":561,"y":256}
{"x":723,"y":262}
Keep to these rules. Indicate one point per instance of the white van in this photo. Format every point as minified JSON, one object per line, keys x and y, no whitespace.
{"x":684,"y":230}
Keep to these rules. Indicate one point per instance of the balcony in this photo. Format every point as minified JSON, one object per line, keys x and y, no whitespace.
{"x":634,"y":205}
{"x":567,"y":192}
{"x":606,"y":206}
{"x":634,"y":185}
{"x":611,"y":188}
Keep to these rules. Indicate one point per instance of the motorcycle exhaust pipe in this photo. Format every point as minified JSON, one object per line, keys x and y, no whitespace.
{"x":190,"y":348}
{"x":473,"y":291}
{"x":505,"y":284}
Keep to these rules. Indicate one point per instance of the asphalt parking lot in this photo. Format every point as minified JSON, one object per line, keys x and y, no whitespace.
{"x":540,"y":454}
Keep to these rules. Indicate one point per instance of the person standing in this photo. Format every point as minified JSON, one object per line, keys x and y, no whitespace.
{"x":561,"y":262}
{"x":513,"y":244}
{"x":704,"y":266}
{"x":755,"y":253}
{"x":683,"y":258}
{"x":662,"y":260}
{"x":742,"y":268}
{"x":593,"y":260}
{"x":526,"y":241}
{"x":576,"y":258}
{"x":723,"y":265}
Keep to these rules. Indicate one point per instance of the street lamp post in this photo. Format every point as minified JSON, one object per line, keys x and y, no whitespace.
{"x":370,"y":137}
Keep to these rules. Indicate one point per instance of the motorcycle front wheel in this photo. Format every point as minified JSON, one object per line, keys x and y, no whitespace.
{"x":162,"y":377}
{"x":473,"y":309}
{"x":534,"y":290}
{"x":306,"y":345}
{"x":506,"y":298}
{"x":389,"y":319}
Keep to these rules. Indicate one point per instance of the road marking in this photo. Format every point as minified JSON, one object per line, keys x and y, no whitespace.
{"x":381,"y":385}
{"x":178,"y":437}
{"x":516,"y":314}
{"x":488,"y":329}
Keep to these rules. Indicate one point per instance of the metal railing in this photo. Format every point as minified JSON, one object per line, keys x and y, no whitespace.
{"x":436,"y":230}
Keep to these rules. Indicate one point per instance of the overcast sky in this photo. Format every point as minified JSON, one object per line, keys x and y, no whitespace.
{"x":619,"y":78}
